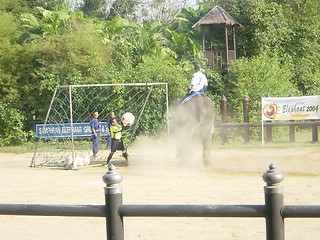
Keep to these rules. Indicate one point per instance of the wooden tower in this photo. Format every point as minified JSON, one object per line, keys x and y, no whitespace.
{"x":218,"y":58}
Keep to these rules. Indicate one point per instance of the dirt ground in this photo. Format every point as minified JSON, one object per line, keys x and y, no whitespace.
{"x":154,"y":176}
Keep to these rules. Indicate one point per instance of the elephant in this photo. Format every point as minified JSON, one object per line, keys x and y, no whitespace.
{"x":193,"y":124}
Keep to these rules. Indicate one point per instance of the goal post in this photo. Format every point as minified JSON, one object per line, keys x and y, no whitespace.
{"x":64,"y":138}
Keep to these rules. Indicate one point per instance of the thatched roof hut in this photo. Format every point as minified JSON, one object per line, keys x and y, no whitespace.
{"x":217,"y":16}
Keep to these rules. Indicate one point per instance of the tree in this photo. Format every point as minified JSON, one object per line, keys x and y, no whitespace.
{"x":12,"y":6}
{"x":113,"y":30}
{"x":94,"y":8}
{"x":49,"y":5}
{"x":8,"y":28}
{"x":255,"y":78}
{"x":145,"y":39}
{"x":183,"y":46}
{"x":123,"y":8}
{"x":44,"y":22}
{"x":12,"y":131}
{"x":163,"y":11}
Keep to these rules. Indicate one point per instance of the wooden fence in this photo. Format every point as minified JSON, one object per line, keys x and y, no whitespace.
{"x":246,"y":125}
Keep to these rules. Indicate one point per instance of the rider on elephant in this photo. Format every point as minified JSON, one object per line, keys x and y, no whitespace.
{"x":198,"y":83}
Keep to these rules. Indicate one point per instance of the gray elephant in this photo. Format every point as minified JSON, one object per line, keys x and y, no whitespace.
{"x":193,"y":126}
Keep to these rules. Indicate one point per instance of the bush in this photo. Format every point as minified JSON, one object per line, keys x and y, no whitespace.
{"x":11,"y":122}
{"x":256,"y":78}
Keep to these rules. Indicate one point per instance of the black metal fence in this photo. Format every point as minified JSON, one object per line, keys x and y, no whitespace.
{"x":114,"y":211}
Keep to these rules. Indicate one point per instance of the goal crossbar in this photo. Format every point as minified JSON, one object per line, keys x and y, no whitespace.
{"x":112,"y":84}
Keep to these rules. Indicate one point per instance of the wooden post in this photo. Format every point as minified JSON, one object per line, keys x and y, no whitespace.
{"x":246,"y":130}
{"x":203,"y":38}
{"x":210,"y":32}
{"x":227,"y":45}
{"x":292,"y":137}
{"x":234,"y":42}
{"x":268,"y":130}
{"x":314,"y":133}
{"x":223,"y":105}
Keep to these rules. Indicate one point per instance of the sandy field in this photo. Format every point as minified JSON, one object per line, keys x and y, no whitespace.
{"x":155,"y":176}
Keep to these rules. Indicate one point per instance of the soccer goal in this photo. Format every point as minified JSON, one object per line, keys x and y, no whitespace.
{"x":64,"y":138}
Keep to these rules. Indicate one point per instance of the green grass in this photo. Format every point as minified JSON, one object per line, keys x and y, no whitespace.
{"x":27,"y":148}
{"x":258,"y":144}
{"x":280,"y":140}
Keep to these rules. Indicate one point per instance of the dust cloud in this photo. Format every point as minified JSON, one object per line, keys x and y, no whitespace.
{"x":150,"y":153}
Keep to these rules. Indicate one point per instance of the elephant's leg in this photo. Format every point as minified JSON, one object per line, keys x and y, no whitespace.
{"x":206,"y":156}
{"x":185,"y":148}
{"x":206,"y":143}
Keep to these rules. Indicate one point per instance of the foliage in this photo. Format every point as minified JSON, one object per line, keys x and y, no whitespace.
{"x":144,"y":39}
{"x":12,"y":126}
{"x":113,"y":30}
{"x":44,"y":22}
{"x":34,"y":69}
{"x":7,"y":26}
{"x":289,"y":29}
{"x":14,"y":7}
{"x":162,"y":70}
{"x":50,"y":43}
{"x":255,"y":78}
{"x":93,"y":8}
{"x":123,"y":9}
{"x":162,"y":11}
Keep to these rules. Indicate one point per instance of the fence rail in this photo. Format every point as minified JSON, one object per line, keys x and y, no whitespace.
{"x":289,"y":211}
{"x":268,"y":125}
{"x":54,"y":210}
{"x":192,"y":210}
{"x":273,"y":211}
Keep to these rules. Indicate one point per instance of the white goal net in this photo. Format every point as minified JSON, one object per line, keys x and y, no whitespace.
{"x":64,"y":138}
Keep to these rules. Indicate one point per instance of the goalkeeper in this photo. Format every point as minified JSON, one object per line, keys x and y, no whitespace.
{"x":116,"y":144}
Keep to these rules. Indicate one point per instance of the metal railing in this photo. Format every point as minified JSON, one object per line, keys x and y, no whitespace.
{"x":114,"y":211}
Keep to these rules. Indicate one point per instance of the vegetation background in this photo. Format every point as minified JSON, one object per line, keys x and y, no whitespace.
{"x":57,"y":42}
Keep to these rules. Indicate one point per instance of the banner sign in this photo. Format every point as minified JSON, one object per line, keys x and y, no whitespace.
{"x":64,"y":130}
{"x":291,"y":108}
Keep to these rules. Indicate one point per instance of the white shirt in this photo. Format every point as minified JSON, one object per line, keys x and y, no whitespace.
{"x":199,"y":80}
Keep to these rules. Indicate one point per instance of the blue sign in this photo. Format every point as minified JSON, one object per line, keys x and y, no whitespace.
{"x":64,"y":130}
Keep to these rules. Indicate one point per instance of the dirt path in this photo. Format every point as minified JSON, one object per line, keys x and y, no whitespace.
{"x":154,"y":176}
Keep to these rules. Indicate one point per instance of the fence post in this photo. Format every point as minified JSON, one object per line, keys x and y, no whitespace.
{"x":292,"y":137}
{"x":113,"y":198}
{"x":223,"y":105}
{"x":246,"y":132}
{"x":273,"y":193}
{"x":314,"y":133}
{"x":268,"y":130}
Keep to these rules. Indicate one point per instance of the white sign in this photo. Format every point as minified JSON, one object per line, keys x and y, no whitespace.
{"x":291,"y":108}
